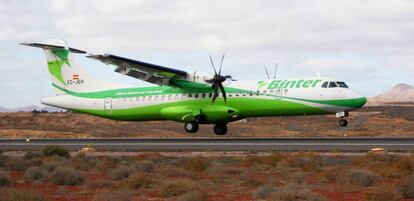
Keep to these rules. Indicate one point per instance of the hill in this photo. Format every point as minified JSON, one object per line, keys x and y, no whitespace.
{"x":400,"y":93}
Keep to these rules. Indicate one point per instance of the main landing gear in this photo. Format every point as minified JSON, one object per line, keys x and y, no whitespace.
{"x":342,"y":115}
{"x":193,"y":126}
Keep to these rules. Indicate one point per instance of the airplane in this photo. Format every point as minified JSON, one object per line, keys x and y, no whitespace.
{"x":192,"y":98}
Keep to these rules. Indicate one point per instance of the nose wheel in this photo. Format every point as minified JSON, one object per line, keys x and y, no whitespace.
{"x":343,"y":123}
{"x":342,"y":115}
{"x":191,"y":127}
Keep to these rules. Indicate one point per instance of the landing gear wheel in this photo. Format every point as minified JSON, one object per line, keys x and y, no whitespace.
{"x":220,"y":129}
{"x":343,"y":122}
{"x":191,"y":127}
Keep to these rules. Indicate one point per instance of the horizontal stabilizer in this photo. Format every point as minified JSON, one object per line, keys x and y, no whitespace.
{"x":48,"y":46}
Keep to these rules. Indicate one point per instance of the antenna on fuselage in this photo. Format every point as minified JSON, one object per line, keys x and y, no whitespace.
{"x":274,"y":74}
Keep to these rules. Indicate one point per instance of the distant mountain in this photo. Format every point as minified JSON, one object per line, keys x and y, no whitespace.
{"x":3,"y":109}
{"x":31,"y":108}
{"x":400,"y":93}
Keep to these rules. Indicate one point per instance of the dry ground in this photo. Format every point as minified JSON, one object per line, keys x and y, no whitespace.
{"x":301,"y":176}
{"x":370,"y":121}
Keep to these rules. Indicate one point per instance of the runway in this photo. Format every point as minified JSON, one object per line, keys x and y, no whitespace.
{"x":346,"y":144}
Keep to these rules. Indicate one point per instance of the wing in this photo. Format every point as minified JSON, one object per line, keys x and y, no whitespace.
{"x":155,"y":74}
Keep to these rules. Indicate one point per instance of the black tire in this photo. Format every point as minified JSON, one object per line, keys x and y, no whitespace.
{"x":220,"y":129}
{"x":343,"y":123}
{"x":191,"y":127}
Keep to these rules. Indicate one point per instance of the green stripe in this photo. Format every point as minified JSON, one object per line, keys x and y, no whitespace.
{"x":351,"y":103}
{"x":245,"y":107}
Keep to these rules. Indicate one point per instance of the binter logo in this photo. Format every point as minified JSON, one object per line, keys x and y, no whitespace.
{"x":75,"y":80}
{"x":289,"y":84}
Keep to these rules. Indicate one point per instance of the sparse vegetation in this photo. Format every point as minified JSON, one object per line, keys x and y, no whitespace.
{"x":21,"y":195}
{"x":263,"y":192}
{"x":277,"y":176}
{"x":4,"y":179}
{"x":67,"y":176}
{"x":382,"y":193}
{"x":141,"y":180}
{"x":407,"y":187}
{"x":176,"y":188}
{"x":193,"y":196}
{"x":197,"y":164}
{"x":34,"y":174}
{"x":121,"y":195}
{"x":3,"y":159}
{"x":294,"y":192}
{"x":122,"y":172}
{"x":31,"y":155}
{"x":55,"y":151}
{"x":17,"y":164}
{"x":361,"y":177}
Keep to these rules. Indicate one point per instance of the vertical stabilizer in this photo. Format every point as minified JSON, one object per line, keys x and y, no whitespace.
{"x":66,"y":75}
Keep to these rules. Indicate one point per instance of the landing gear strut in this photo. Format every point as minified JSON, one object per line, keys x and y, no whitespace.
{"x":191,"y":127}
{"x":342,"y":115}
{"x":220,"y":129}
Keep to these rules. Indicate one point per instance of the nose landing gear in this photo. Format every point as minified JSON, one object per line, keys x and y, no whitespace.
{"x":342,"y":115}
{"x":343,"y":123}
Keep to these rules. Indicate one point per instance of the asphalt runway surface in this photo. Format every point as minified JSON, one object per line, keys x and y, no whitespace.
{"x":345,"y":144}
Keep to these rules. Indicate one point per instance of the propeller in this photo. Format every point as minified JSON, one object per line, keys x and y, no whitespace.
{"x":217,"y":81}
{"x":274,"y":75}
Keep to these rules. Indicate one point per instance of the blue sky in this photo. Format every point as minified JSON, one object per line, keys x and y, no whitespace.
{"x":367,"y":43}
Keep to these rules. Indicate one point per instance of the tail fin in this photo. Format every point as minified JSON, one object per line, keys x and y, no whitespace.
{"x":66,"y":75}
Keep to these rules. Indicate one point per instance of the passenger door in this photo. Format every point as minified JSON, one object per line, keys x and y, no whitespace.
{"x":108,"y":106}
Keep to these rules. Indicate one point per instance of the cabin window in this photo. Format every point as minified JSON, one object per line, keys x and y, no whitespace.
{"x":251,"y":93}
{"x":342,"y":84}
{"x":332,"y":85}
{"x":237,"y":94}
{"x":257,"y":93}
{"x":203,"y":95}
{"x":190,"y":95}
{"x":230,"y":95}
{"x":264,"y":91}
{"x":325,"y":85}
{"x":195,"y":95}
{"x":210,"y":95}
{"x":244,"y":94}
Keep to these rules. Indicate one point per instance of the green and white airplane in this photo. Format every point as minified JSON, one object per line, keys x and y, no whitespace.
{"x":190,"y":97}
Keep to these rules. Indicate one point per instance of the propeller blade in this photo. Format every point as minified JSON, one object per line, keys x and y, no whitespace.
{"x":223,"y":92}
{"x":212,"y":64}
{"x":215,"y":93}
{"x":274,"y":75}
{"x":221,"y":63}
{"x":267,"y":73}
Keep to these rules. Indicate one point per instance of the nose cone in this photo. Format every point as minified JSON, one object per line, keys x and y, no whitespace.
{"x":356,"y":99}
{"x":362,"y":101}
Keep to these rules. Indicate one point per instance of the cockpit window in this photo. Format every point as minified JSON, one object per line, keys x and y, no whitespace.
{"x":342,"y":84}
{"x":325,"y":85}
{"x":332,"y":85}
